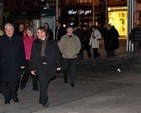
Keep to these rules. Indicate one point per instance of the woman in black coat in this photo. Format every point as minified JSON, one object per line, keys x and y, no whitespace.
{"x":111,"y":40}
{"x":45,"y":61}
{"x":12,"y":59}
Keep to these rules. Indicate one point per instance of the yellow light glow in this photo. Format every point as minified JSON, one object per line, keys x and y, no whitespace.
{"x":119,"y":20}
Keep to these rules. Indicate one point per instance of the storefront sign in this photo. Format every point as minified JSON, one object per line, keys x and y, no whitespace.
{"x":80,"y":12}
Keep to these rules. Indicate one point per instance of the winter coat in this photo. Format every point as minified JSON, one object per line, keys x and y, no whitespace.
{"x":69,"y":46}
{"x":52,"y":58}
{"x":94,"y":39}
{"x":111,"y":40}
{"x":12,"y":57}
{"x":59,"y":32}
{"x":80,"y":34}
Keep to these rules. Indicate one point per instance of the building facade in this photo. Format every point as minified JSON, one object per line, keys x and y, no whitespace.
{"x":89,"y":12}
{"x":86,"y":12}
{"x":24,"y":11}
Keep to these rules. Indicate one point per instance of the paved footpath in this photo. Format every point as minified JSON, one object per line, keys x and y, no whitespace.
{"x":94,"y":93}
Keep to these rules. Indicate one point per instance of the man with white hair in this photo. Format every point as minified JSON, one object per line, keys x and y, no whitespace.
{"x":12,"y":59}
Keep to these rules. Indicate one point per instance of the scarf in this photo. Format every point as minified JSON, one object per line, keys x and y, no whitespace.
{"x":43,"y":47}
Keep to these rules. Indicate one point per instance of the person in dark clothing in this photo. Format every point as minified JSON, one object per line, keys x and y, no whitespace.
{"x":59,"y":31}
{"x":78,"y":32}
{"x":86,"y":41}
{"x":103,"y":33}
{"x":44,"y":62}
{"x":135,"y":37}
{"x":49,"y":31}
{"x":116,"y":37}
{"x":111,"y":40}
{"x":12,"y":59}
{"x":20,"y":30}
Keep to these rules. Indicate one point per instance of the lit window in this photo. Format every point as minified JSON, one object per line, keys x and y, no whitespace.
{"x":84,"y":1}
{"x":90,"y":1}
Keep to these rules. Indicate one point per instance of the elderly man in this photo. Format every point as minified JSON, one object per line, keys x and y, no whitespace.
{"x":12,"y":59}
{"x":69,"y":46}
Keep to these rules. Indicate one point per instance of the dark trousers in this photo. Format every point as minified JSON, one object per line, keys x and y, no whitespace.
{"x":80,"y":54}
{"x":44,"y":82}
{"x":95,"y":53}
{"x":69,"y":65}
{"x":87,"y":48}
{"x":88,"y":52}
{"x":9,"y":90}
{"x":26,"y":76}
{"x":43,"y":98}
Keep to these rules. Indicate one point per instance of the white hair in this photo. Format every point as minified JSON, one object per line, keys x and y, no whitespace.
{"x":8,"y":24}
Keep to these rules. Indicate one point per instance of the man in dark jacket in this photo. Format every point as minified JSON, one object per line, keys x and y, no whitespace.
{"x":78,"y":32}
{"x":12,"y":59}
{"x":44,"y":62}
{"x":59,"y":31}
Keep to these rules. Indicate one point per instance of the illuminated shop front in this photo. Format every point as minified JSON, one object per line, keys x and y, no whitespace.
{"x":117,"y":16}
{"x":79,"y":16}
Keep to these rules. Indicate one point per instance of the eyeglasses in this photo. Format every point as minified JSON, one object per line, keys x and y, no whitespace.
{"x":39,"y":32}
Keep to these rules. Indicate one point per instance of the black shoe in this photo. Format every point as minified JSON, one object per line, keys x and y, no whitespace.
{"x":73,"y":85}
{"x":7,"y":102}
{"x":46,"y":104}
{"x":16,"y":100}
{"x":66,"y":81}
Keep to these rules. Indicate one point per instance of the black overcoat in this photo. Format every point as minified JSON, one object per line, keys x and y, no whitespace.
{"x":61,"y":31}
{"x":111,"y":40}
{"x":12,"y":57}
{"x":52,"y":58}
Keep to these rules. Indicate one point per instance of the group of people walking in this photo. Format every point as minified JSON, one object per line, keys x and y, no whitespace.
{"x":41,"y":56}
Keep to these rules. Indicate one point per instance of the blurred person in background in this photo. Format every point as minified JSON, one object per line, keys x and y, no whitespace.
{"x":78,"y":32}
{"x":20,"y":30}
{"x":111,"y":40}
{"x":86,"y":40}
{"x":28,"y":41}
{"x":135,"y":37}
{"x":49,"y":31}
{"x":59,"y":30}
{"x":94,"y":41}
